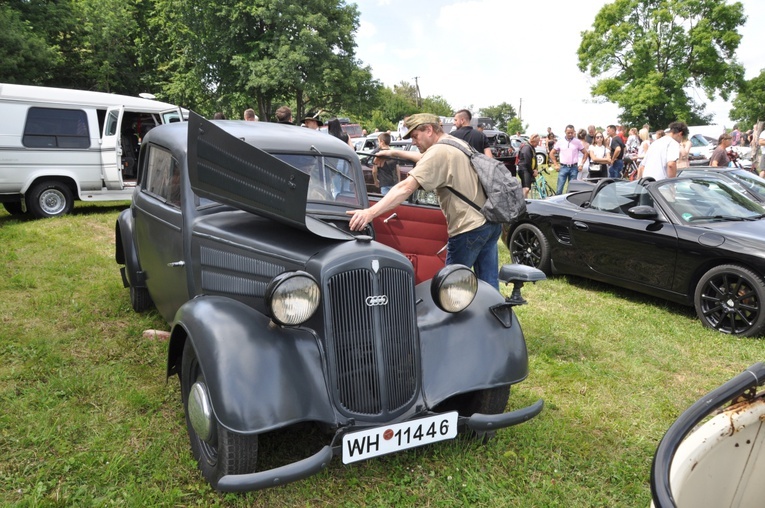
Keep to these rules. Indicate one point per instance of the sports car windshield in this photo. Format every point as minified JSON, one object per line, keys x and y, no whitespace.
{"x":708,"y":200}
{"x":752,"y":182}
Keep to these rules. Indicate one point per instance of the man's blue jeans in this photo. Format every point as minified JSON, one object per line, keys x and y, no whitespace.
{"x":477,"y":249}
{"x":615,"y":171}
{"x":566,"y":173}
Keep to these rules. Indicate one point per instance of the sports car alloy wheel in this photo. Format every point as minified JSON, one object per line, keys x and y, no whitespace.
{"x":729,"y":298}
{"x":528,"y":246}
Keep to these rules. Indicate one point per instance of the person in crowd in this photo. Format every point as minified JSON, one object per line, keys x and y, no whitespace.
{"x":735,"y":136}
{"x":616,"y":147}
{"x":633,"y":143}
{"x":550,"y":140}
{"x":658,"y":134}
{"x":525,"y":160}
{"x":472,"y":240}
{"x":590,"y":134}
{"x":599,"y":157}
{"x":219,"y":116}
{"x":684,"y":159}
{"x":584,"y":157}
{"x":250,"y":116}
{"x":660,"y":160}
{"x":335,"y":128}
{"x":719,"y":156}
{"x":312,"y":123}
{"x":385,"y":170}
{"x":284,"y":115}
{"x":757,"y":144}
{"x":465,"y":132}
{"x":645,"y":142}
{"x":565,"y":158}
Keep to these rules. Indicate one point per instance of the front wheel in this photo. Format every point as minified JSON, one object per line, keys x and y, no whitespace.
{"x":729,"y":298}
{"x":49,"y":199}
{"x":529,"y":246}
{"x":218,"y":451}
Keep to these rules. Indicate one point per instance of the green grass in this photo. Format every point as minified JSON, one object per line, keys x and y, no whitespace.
{"x":88,"y":418}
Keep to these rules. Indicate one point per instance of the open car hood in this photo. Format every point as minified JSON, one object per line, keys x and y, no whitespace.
{"x":228,"y":170}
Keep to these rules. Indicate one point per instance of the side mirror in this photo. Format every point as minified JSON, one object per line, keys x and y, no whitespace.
{"x":643,"y":212}
{"x":518,"y":275}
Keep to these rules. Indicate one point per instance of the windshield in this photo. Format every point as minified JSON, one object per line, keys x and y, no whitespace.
{"x":750,"y":181}
{"x":331,"y":177}
{"x":707,"y":199}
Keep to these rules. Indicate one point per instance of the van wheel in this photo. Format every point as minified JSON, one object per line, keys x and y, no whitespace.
{"x":13,"y":208}
{"x":49,"y":199}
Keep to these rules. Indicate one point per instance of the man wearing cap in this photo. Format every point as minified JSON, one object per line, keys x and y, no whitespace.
{"x":472,"y":240}
{"x":312,"y":123}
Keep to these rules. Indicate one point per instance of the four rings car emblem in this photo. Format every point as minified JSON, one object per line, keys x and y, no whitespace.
{"x":375,"y":301}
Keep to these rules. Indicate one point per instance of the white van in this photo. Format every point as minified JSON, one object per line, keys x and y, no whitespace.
{"x":58,"y":145}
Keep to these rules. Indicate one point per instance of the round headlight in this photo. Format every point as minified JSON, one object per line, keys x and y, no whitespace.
{"x":453,"y":288}
{"x":292,"y":298}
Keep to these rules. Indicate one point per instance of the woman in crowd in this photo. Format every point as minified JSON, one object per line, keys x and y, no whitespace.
{"x":335,"y":129}
{"x":584,"y":158}
{"x":600,"y":157}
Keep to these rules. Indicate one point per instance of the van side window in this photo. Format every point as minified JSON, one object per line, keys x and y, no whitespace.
{"x":163,"y":177}
{"x":56,"y":128}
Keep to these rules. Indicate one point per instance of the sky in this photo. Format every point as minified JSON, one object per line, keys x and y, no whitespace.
{"x":479,"y":53}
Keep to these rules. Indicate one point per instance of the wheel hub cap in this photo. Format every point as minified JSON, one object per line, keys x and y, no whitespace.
{"x":200,"y":412}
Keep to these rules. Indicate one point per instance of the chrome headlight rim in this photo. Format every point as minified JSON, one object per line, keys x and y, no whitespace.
{"x":294,"y":284}
{"x":453,"y":288}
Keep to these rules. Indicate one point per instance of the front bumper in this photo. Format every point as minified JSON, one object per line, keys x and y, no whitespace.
{"x":315,"y":463}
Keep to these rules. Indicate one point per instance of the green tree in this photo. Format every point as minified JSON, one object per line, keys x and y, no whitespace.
{"x":515,"y":125}
{"x":25,"y":56}
{"x":437,"y":105}
{"x":648,"y":54}
{"x":749,"y":103}
{"x":501,"y":114}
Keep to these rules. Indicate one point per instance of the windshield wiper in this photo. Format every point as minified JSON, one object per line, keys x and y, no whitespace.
{"x":721,"y":217}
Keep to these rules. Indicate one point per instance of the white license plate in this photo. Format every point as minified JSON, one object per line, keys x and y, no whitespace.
{"x":370,"y":443}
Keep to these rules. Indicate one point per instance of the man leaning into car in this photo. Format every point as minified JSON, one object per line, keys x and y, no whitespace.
{"x":472,"y":240}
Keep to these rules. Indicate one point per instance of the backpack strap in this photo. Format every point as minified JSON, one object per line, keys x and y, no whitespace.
{"x":469,"y":151}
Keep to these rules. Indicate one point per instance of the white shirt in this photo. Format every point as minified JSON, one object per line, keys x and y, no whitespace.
{"x":659,"y":154}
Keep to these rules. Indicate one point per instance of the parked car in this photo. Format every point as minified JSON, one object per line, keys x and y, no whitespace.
{"x":701,"y":150}
{"x":502,"y":147}
{"x":694,"y":240}
{"x":712,"y":455}
{"x":282,"y":318}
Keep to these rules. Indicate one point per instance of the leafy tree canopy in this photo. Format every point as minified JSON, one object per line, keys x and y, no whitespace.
{"x":501,"y":114}
{"x":648,"y":55}
{"x":749,"y":103}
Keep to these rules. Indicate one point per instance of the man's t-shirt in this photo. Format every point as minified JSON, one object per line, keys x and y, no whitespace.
{"x":474,"y":138}
{"x":720,"y":156}
{"x":617,"y":141}
{"x":661,"y":152}
{"x":443,"y":166}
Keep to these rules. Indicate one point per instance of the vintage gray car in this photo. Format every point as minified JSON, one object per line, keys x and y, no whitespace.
{"x":280,"y":316}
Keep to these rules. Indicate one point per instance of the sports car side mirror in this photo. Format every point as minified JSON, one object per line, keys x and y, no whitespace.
{"x":643,"y":212}
{"x":518,"y":275}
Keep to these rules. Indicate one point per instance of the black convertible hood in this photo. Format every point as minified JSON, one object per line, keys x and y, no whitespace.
{"x":228,"y":170}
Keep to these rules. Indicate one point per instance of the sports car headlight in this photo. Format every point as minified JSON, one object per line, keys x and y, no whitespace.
{"x":453,"y":288}
{"x":292,"y":298}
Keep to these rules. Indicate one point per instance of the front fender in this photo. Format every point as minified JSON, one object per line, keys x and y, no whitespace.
{"x":125,"y":252}
{"x":259,"y":376}
{"x":470,"y":350}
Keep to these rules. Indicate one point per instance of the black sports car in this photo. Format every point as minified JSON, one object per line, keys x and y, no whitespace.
{"x":694,"y":239}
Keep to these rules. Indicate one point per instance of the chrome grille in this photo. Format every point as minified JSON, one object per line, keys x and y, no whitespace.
{"x":374,"y":348}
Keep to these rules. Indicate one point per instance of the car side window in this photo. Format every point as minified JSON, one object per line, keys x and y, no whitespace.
{"x":619,"y":197}
{"x":56,"y":128}
{"x":163,"y":176}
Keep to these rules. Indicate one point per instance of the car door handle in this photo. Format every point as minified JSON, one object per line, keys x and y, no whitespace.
{"x":175,"y":264}
{"x":581,"y":225}
{"x":393,"y":216}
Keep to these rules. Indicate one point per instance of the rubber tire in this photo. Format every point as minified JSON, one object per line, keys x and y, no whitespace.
{"x":748,"y":314}
{"x":50,"y":198}
{"x":13,"y":208}
{"x":529,"y":246}
{"x":232,"y":453}
{"x":140,"y":299}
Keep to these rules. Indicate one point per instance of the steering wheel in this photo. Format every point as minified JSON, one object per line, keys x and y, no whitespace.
{"x":316,"y":193}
